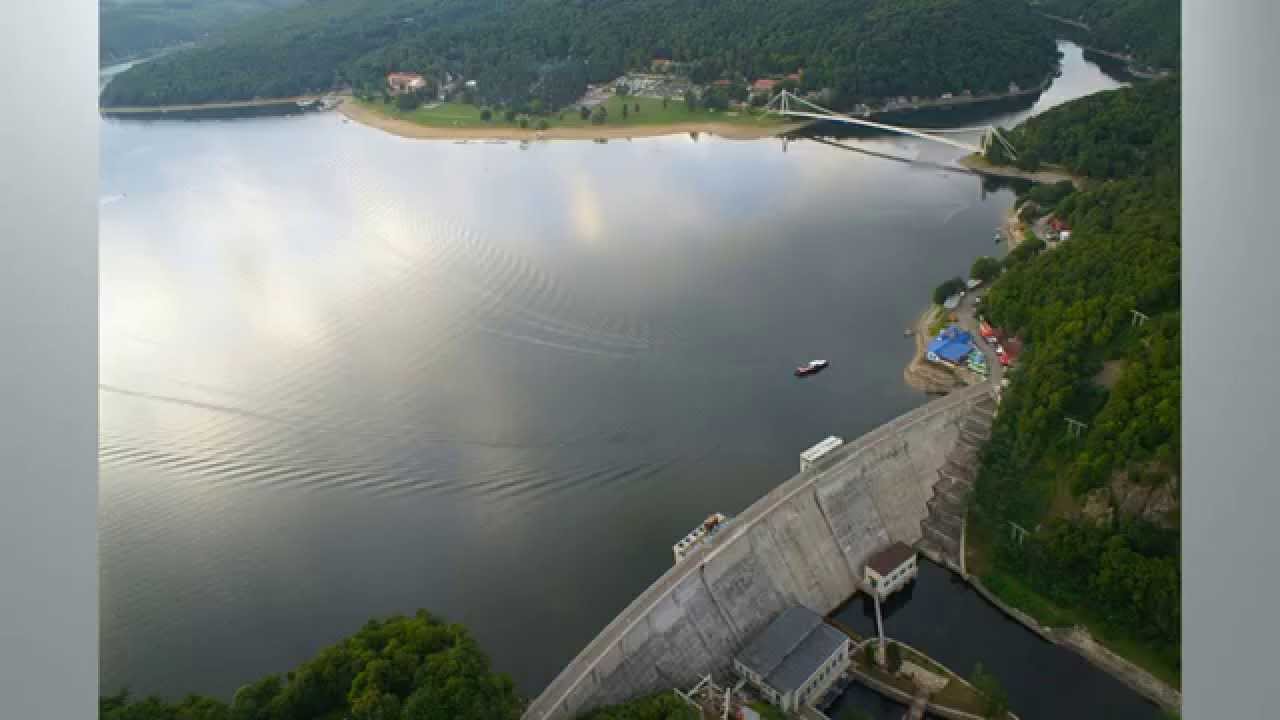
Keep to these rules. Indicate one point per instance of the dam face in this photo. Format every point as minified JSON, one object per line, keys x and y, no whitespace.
{"x":802,"y":544}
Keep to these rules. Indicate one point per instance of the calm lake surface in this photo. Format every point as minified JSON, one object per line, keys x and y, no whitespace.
{"x":346,"y":374}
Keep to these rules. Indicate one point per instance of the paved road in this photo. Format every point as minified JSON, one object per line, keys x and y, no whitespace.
{"x":966,"y":316}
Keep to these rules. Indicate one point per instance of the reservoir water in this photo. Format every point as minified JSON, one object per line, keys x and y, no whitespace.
{"x":346,"y":374}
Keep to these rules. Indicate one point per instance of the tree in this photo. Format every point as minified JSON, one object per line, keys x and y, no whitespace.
{"x":625,"y":111}
{"x":690,"y":100}
{"x":401,"y":668}
{"x":486,"y":114}
{"x":584,"y":113}
{"x":994,"y":698}
{"x":542,"y":124}
{"x":985,"y":269}
{"x":621,"y":90}
{"x":947,"y":289}
{"x":636,"y":108}
{"x":665,"y":102}
{"x":893,"y":657}
{"x":509,"y":115}
{"x":599,"y":116}
{"x":1027,"y":249}
{"x":869,"y":653}
{"x":716,"y":99}
{"x":408,"y":101}
{"x":253,"y":701}
{"x":524,"y":121}
{"x":551,"y":50}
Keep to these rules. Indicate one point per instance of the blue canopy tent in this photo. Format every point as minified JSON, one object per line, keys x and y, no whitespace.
{"x":952,"y":345}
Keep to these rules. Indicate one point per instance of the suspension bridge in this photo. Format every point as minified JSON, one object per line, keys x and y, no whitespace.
{"x":789,"y":104}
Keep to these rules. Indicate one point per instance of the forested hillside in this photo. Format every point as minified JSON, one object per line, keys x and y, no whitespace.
{"x":860,"y":49}
{"x":1113,"y":134}
{"x":129,"y":28}
{"x":1101,"y":509}
{"x":1150,"y":30}
{"x":402,"y":668}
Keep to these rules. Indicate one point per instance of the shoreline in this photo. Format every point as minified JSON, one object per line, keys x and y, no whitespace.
{"x":922,"y":375}
{"x":960,"y":101}
{"x":1131,"y":63}
{"x":228,"y":105}
{"x":979,"y":164}
{"x":408,"y":129}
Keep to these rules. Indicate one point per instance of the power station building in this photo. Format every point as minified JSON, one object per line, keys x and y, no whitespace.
{"x":794,"y":659}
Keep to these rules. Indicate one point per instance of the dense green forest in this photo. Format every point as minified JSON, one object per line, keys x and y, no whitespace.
{"x":129,"y":28}
{"x":401,"y":668}
{"x":1150,"y":30}
{"x":1119,"y":570}
{"x":519,"y":50}
{"x":1109,"y":135}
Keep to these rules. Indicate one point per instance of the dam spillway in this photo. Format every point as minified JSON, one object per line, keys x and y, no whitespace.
{"x":804,"y":543}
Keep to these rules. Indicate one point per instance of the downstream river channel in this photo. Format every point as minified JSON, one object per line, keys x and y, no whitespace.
{"x":346,"y":374}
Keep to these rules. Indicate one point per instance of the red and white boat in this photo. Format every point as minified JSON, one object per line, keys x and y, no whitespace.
{"x":812,"y":368}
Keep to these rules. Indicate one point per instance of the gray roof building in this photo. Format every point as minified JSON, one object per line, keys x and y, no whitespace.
{"x":791,"y":649}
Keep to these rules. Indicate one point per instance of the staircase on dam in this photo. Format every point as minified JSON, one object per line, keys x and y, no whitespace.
{"x":942,"y":530}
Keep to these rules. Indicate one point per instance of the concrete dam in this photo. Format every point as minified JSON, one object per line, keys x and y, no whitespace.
{"x":804,"y":543}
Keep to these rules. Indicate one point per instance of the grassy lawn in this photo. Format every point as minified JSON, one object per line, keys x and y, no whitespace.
{"x":767,"y":711}
{"x":452,"y":114}
{"x":956,"y":694}
{"x":960,"y":697}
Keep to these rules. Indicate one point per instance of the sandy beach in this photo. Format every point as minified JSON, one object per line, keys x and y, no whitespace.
{"x":404,"y":128}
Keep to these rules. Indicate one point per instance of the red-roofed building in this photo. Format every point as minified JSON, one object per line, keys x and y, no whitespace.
{"x":764,"y":84}
{"x":794,"y":76}
{"x":722,"y":83}
{"x":1058,"y":224}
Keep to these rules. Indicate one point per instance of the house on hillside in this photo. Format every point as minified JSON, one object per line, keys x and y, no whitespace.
{"x":794,"y":659}
{"x":660,"y":64}
{"x":402,"y":82}
{"x":763,"y":86}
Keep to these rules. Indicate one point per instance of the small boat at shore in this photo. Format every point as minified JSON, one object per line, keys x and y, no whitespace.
{"x":813,"y":367}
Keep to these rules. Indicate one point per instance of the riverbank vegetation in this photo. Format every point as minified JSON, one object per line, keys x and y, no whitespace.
{"x":130,"y":28}
{"x":1148,"y":30}
{"x":521,"y":51}
{"x":1082,"y":526}
{"x":401,"y":668}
